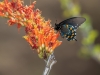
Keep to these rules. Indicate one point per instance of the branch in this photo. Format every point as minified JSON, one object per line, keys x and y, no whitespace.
{"x":49,"y":63}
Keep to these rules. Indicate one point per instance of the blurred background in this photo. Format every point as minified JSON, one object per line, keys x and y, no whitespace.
{"x":73,"y":58}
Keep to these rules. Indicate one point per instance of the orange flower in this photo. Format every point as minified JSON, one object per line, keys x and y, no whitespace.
{"x":39,"y":33}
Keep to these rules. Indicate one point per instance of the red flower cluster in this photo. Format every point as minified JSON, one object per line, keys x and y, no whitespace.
{"x":39,"y":33}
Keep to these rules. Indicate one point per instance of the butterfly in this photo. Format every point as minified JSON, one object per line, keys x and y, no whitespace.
{"x":68,"y":27}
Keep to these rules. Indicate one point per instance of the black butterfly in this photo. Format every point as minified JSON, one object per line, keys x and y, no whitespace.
{"x":69,"y":26}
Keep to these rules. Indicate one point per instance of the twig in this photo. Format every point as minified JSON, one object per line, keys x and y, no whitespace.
{"x":49,"y":63}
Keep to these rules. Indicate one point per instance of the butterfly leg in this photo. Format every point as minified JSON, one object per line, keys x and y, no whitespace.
{"x":75,"y":39}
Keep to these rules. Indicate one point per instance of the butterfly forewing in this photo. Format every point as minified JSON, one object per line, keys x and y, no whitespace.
{"x":75,"y":21}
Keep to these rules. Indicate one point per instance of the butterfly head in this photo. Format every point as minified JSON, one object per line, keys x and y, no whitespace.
{"x":57,"y":27}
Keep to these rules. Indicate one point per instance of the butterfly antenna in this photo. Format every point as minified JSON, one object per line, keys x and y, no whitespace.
{"x":56,"y":21}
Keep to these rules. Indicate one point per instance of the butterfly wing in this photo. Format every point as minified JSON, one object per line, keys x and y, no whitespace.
{"x":69,"y":26}
{"x":74,"y":21}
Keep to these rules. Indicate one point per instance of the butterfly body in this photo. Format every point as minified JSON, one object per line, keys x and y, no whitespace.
{"x":68,"y":27}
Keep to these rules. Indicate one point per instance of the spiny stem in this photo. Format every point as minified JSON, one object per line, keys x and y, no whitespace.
{"x":49,"y":63}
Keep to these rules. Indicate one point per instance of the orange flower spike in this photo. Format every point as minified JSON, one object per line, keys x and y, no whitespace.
{"x":48,"y":23}
{"x":18,"y":26}
{"x":2,"y":14}
{"x":11,"y":22}
{"x":42,"y":40}
{"x":46,"y":32}
{"x":37,"y":13}
{"x":45,"y":41}
{"x":32,"y":5}
{"x":7,"y":7}
{"x":37,"y":35}
{"x":24,"y":24}
{"x":46,"y":27}
{"x":28,"y":39}
{"x":29,"y":28}
{"x":39,"y":40}
{"x":39,"y":32}
{"x":41,"y":37}
{"x":54,"y":38}
{"x":19,"y":2}
{"x":13,"y":5}
{"x":2,"y":5}
{"x":30,"y":42}
{"x":31,"y":17}
{"x":36,"y":32}
{"x":48,"y":38}
{"x":6,"y":2}
{"x":18,"y":18}
{"x":57,"y":43}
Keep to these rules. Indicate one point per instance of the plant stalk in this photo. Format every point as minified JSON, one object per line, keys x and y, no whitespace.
{"x":49,"y":63}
